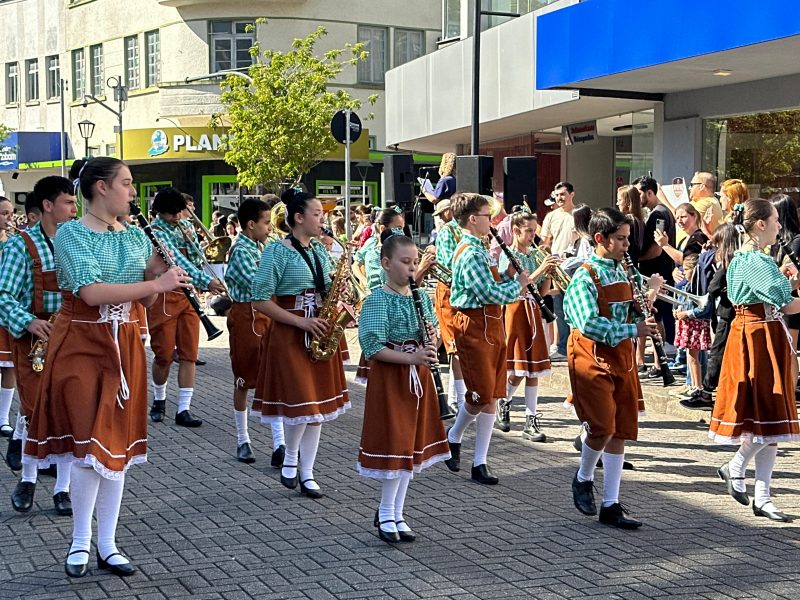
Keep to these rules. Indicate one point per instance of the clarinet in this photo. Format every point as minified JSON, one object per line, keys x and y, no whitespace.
{"x":641,"y":300}
{"x":211,"y":330}
{"x":444,"y":408}
{"x":537,"y":297}
{"x":787,"y":251}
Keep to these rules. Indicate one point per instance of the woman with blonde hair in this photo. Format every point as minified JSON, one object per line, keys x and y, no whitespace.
{"x":731,"y":193}
{"x":446,"y":185}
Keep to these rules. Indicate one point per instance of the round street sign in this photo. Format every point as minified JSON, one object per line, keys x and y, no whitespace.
{"x":338,"y":127}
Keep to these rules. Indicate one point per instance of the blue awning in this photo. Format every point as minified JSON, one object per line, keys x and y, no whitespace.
{"x":27,"y":147}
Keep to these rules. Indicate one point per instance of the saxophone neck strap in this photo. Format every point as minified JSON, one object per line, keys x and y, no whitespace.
{"x":316,"y":268}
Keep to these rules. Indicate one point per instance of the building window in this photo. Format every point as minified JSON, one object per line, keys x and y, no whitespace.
{"x":32,"y":80}
{"x":78,"y":74}
{"x":374,"y":68}
{"x":12,"y":83}
{"x":153,"y":68}
{"x":408,"y":45}
{"x":132,"y":62}
{"x":451,"y":19}
{"x":53,"y":77}
{"x":96,"y":69}
{"x":230,"y":43}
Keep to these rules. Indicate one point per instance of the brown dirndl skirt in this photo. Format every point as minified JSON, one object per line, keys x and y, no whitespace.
{"x":6,"y":357}
{"x":86,"y":412}
{"x":402,"y":431}
{"x":291,"y":387}
{"x":755,"y":397}
{"x":606,"y":392}
{"x":481,"y":344}
{"x":141,"y":316}
{"x":362,"y":372}
{"x":246,"y":328}
{"x":527,"y":353}
{"x":445,"y":314}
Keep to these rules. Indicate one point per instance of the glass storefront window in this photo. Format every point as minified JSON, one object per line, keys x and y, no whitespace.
{"x":761,"y":149}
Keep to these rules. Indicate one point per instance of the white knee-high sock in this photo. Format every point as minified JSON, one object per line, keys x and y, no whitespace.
{"x":386,"y":509}
{"x":109,"y":501}
{"x":589,"y":458}
{"x":463,"y":420}
{"x":739,"y":462}
{"x":277,"y":435}
{"x":400,"y":500}
{"x":20,"y":427}
{"x":6,"y":397}
{"x":242,"y":434}
{"x":185,"y":398}
{"x":452,"y":398}
{"x":63,"y":476}
{"x":484,"y":425}
{"x":461,"y":392}
{"x":309,"y":444}
{"x":612,"y":475}
{"x":531,"y":399}
{"x":510,"y":389}
{"x":765,"y":462}
{"x":85,"y":484}
{"x":159,"y":392}
{"x":293,"y":435}
{"x":30,"y":470}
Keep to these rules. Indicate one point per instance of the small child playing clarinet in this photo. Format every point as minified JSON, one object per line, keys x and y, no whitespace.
{"x":402,"y":432}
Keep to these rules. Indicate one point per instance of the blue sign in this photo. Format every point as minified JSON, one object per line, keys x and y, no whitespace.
{"x":26,"y":147}
{"x":8,"y":153}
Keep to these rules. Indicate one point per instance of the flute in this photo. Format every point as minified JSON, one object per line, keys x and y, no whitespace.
{"x":210,"y":328}
{"x":641,"y":300}
{"x":444,"y":408}
{"x":537,"y":297}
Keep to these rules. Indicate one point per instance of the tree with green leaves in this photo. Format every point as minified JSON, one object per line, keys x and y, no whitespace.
{"x":280,"y":123}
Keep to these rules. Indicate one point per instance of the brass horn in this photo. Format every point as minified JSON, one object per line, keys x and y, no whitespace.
{"x":217,"y":249}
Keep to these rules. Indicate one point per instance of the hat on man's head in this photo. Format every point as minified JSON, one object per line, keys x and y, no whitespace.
{"x":441,"y":206}
{"x":549,"y":201}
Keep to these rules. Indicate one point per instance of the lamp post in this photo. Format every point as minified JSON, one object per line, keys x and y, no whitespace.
{"x":121,"y":96}
{"x":363,"y":169}
{"x":86,"y":128}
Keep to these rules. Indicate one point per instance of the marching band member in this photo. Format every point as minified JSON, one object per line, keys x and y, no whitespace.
{"x":246,"y":326}
{"x":172,"y":320}
{"x":602,"y":365}
{"x":402,"y":432}
{"x":8,"y":378}
{"x":478,"y":293}
{"x":292,"y":388}
{"x":29,"y":295}
{"x":528,"y":355}
{"x":91,"y":409}
{"x":755,"y":404}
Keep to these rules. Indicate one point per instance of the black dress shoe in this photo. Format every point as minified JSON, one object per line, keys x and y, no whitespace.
{"x":158,"y":410}
{"x":483,"y":475}
{"x":123,"y":570}
{"x":772,"y":515}
{"x":311,"y":493}
{"x":62,"y":504}
{"x":278,"y":456}
{"x":617,"y":516}
{"x":406,"y":536}
{"x":583,"y":496}
{"x":200,"y":363}
{"x":77,"y":570}
{"x":245,"y":454}
{"x":725,"y":474}
{"x":14,"y":455}
{"x":185,"y":419}
{"x":454,"y":462}
{"x":6,"y":431}
{"x":390,"y":537}
{"x":502,"y":417}
{"x":22,"y":498}
{"x":289,"y":482}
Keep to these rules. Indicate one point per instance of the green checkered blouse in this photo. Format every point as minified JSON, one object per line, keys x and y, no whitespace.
{"x":376,"y":276}
{"x":242,"y":266}
{"x":283,"y":272}
{"x":85,"y":257}
{"x":754,"y":278}
{"x":16,"y":282}
{"x":360,"y":254}
{"x":446,"y":242}
{"x":171,"y":237}
{"x":473,"y":284}
{"x":389,"y":317}
{"x":580,"y":303}
{"x":526,"y":261}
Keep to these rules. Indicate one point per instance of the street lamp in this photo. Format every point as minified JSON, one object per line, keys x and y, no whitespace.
{"x":363,"y":168}
{"x":121,"y":96}
{"x":86,"y":127}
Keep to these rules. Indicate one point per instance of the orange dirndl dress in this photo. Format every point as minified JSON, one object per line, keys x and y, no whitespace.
{"x":527,"y":354}
{"x":445,"y":313}
{"x":6,"y":359}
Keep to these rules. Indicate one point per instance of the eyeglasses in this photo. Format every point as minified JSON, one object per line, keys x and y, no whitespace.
{"x":694,"y":183}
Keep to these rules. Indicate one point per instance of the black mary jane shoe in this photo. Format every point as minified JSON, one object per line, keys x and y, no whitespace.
{"x":244,"y":453}
{"x":14,"y":455}
{"x":123,"y":570}
{"x":406,"y":536}
{"x":289,"y":482}
{"x":483,"y":475}
{"x":6,"y":431}
{"x":724,"y":473}
{"x":77,"y":570}
{"x":772,"y":515}
{"x":22,"y":497}
{"x":63,"y":504}
{"x":390,"y":537}
{"x":158,"y":411}
{"x":311,"y":493}
{"x":454,"y":462}
{"x":277,"y":457}
{"x":185,"y":419}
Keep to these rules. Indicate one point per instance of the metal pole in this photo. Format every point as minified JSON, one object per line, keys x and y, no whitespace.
{"x":347,"y":173}
{"x":476,"y":76}
{"x":63,"y":130}
{"x":119,"y":110}
{"x":86,"y":148}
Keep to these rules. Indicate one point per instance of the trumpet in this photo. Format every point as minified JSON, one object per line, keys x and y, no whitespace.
{"x":217,"y":248}
{"x":39,"y":350}
{"x":438,"y":271}
{"x":206,"y":263}
{"x":678,"y":297}
{"x":557,"y":274}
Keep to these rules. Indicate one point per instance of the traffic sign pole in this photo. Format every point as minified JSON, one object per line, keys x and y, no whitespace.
{"x":347,"y":173}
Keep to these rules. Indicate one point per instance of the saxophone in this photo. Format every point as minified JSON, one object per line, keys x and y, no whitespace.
{"x":341,"y":291}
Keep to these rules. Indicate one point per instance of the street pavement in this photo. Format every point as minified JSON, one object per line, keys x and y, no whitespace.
{"x":200,"y":525}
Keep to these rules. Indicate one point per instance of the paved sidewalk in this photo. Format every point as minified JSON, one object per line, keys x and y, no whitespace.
{"x":199,"y":524}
